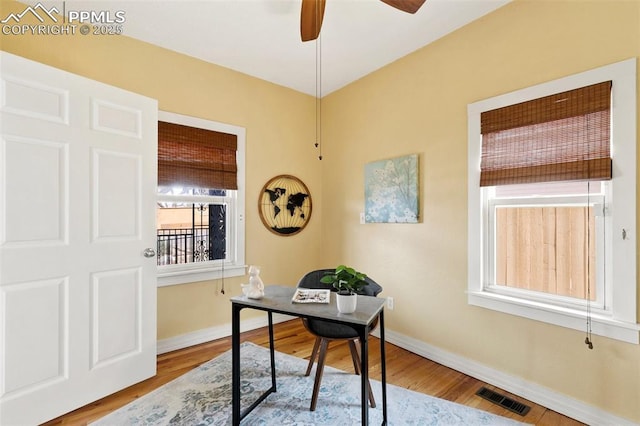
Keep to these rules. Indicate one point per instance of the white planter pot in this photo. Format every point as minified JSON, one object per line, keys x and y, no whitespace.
{"x":346,"y":303}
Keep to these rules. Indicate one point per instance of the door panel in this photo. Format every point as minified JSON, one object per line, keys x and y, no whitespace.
{"x":77,"y":297}
{"x":35,"y":339}
{"x":117,"y":119}
{"x":31,"y":98}
{"x":116,"y":330}
{"x":116,"y":189}
{"x":34,"y":214}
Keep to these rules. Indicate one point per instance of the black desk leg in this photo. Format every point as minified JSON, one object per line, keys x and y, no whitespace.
{"x":272,"y":353}
{"x":235,"y":363}
{"x":364,"y":373}
{"x":383,"y":365}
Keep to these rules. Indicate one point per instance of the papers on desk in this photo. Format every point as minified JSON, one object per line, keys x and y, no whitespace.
{"x":311,"y":295}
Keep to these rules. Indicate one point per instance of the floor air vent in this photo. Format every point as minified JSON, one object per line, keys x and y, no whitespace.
{"x":503,"y":401}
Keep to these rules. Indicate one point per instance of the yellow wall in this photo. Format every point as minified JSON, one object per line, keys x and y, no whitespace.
{"x":280,"y":132}
{"x":418,"y":105}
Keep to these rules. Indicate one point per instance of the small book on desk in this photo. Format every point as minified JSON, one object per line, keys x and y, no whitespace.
{"x":311,"y":295}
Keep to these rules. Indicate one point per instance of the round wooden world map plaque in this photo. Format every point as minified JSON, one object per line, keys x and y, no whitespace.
{"x":285,"y":205}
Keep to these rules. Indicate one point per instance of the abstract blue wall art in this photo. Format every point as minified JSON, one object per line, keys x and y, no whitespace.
{"x":391,"y":190}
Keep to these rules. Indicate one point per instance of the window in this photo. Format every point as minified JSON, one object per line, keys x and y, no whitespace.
{"x":200,"y":213}
{"x":543,"y":240}
{"x":552,"y":222}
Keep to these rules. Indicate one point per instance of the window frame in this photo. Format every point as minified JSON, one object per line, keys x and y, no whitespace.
{"x":620,"y":322}
{"x":234,"y":264}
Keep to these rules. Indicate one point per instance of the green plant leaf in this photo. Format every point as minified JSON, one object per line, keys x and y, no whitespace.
{"x":340,"y":268}
{"x":328,"y":279}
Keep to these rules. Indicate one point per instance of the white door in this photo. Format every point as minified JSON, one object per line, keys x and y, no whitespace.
{"x":77,"y":194}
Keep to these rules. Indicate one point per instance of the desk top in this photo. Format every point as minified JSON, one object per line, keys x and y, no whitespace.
{"x":277,"y":298}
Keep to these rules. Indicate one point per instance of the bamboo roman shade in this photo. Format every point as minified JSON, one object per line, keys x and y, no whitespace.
{"x":188,"y":156}
{"x":559,"y":137}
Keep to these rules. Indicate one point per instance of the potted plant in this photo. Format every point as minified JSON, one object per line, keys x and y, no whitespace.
{"x":347,"y":281}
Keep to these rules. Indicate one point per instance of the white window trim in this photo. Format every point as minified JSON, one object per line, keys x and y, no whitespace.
{"x":235,"y":266}
{"x":621,"y":322}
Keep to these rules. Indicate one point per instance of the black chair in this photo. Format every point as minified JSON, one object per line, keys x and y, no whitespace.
{"x":326,"y":332}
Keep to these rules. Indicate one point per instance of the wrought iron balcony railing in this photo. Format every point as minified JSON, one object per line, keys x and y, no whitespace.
{"x":183,"y":245}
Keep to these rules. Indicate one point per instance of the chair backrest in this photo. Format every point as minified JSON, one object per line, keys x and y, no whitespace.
{"x":329,"y":329}
{"x":312,"y":280}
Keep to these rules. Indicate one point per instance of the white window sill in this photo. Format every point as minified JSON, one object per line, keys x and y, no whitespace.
{"x":602,"y":325}
{"x":193,"y":274}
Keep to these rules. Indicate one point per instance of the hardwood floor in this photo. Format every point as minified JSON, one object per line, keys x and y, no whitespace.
{"x":403,"y":369}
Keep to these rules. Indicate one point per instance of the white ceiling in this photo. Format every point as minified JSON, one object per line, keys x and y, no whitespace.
{"x":262,"y":37}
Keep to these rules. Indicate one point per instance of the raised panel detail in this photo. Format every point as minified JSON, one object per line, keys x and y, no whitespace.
{"x":113,"y":118}
{"x":33,"y":351}
{"x":116,"y":315}
{"x":116,"y":196}
{"x":31,"y":99}
{"x":35,"y":196}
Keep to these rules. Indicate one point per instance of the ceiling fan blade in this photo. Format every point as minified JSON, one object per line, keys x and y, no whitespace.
{"x":409,"y":6}
{"x":311,"y":17}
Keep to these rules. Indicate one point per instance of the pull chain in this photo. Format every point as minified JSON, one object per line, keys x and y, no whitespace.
{"x":318,"y":143}
{"x":587,"y":339}
{"x":224,"y":251}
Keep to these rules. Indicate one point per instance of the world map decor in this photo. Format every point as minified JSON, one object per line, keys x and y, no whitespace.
{"x":391,"y":190}
{"x":285,"y":205}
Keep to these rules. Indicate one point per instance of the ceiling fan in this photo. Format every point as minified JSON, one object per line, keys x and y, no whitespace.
{"x":313,"y":11}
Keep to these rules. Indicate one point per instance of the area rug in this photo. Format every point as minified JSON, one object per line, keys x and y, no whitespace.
{"x":203,"y":397}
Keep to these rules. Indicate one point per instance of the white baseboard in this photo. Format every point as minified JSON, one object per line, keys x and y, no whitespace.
{"x":531,"y":391}
{"x":528,"y":390}
{"x":213,"y":333}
